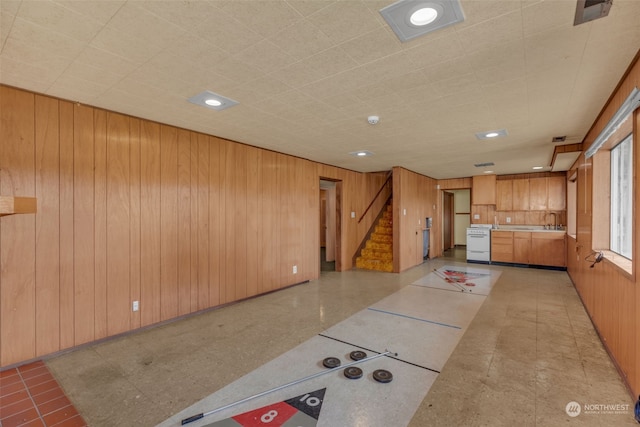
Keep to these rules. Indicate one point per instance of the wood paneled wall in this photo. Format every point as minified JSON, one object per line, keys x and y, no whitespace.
{"x":611,"y":296}
{"x":416,"y":195}
{"x":132,"y":210}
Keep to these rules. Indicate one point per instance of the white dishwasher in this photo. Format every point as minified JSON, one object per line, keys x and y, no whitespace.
{"x":479,"y":243}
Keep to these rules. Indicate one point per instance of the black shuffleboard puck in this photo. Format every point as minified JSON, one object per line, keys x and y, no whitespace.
{"x":382,"y":376}
{"x":331,"y":362}
{"x":357,"y":355}
{"x":353,"y":372}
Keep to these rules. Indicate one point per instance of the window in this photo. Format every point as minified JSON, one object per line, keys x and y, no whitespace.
{"x":611,"y":157}
{"x":622,"y":198}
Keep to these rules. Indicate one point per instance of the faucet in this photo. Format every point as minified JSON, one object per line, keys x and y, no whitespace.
{"x":555,"y":220}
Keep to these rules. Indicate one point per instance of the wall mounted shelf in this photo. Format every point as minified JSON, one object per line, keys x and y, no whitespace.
{"x":10,"y":205}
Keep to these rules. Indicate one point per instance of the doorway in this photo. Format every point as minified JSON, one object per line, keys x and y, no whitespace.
{"x":329,"y":225}
{"x":456,"y":217}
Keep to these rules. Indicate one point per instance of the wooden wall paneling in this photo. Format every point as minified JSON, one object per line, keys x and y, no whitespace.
{"x":313,"y":248}
{"x":240,"y":220}
{"x":194,"y":231}
{"x":118,"y":211}
{"x":253,"y":214}
{"x":229,"y":187}
{"x":297,"y":218}
{"x":284,"y":183}
{"x":397,"y":210}
{"x":205,"y":298}
{"x":17,"y":240}
{"x":134,"y":219}
{"x":184,"y":222}
{"x":150,"y":258}
{"x":66,"y":315}
{"x":268,"y":242}
{"x":100,"y":228}
{"x":206,"y":170}
{"x":601,"y":210}
{"x":83,"y":224}
{"x":216,"y":248}
{"x":223,"y":146}
{"x":169,"y":222}
{"x":47,"y":186}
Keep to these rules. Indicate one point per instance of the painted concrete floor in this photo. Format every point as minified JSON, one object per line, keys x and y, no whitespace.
{"x":528,"y":352}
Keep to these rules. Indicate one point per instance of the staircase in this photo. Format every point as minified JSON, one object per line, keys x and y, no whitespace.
{"x":378,"y":251}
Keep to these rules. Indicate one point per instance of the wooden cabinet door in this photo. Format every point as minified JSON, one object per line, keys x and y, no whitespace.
{"x":521,"y":247}
{"x":520,"y":194}
{"x":502,"y":246}
{"x":483,"y":190}
{"x":538,"y":194}
{"x":504,"y":195}
{"x":548,"y":249}
{"x":557,"y":192}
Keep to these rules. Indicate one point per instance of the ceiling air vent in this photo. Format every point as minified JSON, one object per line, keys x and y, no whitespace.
{"x":559,"y":138}
{"x":589,"y":10}
{"x":484,"y":165}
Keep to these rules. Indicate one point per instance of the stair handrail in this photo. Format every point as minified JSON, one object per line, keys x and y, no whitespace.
{"x":389,"y":174}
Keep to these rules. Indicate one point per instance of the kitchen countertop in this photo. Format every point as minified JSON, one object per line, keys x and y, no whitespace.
{"x":528,"y":228}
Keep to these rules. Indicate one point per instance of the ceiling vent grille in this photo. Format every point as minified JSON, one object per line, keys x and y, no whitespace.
{"x":484,"y":165}
{"x":559,"y":138}
{"x":589,"y":10}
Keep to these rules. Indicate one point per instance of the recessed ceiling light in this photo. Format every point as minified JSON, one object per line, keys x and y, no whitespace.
{"x":491,"y":134}
{"x":361,"y":153}
{"x":423,"y":16}
{"x":538,"y":167}
{"x":212,"y":100}
{"x":488,"y":171}
{"x":413,"y":18}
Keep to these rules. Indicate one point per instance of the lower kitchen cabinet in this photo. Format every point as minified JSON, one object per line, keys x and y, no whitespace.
{"x":548,"y":249}
{"x":521,"y":247}
{"x":531,"y":248}
{"x":502,"y":246}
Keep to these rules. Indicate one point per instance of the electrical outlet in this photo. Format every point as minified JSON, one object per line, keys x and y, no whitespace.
{"x":508,"y":219}
{"x":404,"y":211}
{"x":353,"y":214}
{"x":295,"y":269}
{"x":135,"y":306}
{"x":476,"y":216}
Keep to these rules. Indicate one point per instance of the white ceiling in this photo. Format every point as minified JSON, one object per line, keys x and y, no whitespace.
{"x":308,"y":73}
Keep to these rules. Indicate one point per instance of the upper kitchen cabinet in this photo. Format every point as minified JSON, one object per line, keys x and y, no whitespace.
{"x":538,"y":194}
{"x":521,"y":194}
{"x":483,"y":190}
{"x":557,"y":191}
{"x":548,"y":193}
{"x":504,"y":195}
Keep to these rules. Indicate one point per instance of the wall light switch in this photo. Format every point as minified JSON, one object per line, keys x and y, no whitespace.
{"x":353,"y":214}
{"x":295,"y":269}
{"x":508,"y":219}
{"x":135,"y":306}
{"x":404,"y":211}
{"x":476,"y":216}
